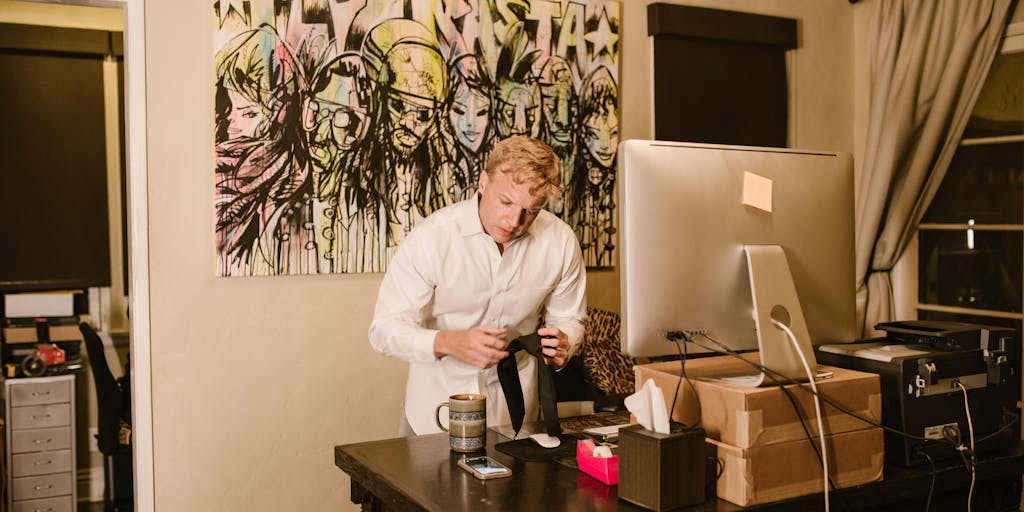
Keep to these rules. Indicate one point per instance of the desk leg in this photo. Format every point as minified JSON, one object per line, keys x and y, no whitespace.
{"x":361,"y":496}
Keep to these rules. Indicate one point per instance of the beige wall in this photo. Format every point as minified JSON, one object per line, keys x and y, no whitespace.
{"x":255,"y":380}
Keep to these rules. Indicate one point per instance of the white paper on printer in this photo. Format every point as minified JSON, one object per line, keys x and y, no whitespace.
{"x":648,"y":405}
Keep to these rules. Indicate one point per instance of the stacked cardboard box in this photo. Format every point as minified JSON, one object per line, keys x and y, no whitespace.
{"x":28,"y":334}
{"x":757,"y":434}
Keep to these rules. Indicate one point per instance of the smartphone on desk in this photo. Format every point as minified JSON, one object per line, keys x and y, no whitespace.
{"x":484,"y":467}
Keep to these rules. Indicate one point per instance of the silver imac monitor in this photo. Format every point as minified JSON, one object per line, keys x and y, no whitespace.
{"x":722,"y":239}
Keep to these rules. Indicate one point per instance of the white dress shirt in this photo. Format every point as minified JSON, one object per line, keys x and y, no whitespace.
{"x":449,"y":275}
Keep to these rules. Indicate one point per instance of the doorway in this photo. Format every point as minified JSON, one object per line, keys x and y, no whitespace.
{"x":135,"y":210}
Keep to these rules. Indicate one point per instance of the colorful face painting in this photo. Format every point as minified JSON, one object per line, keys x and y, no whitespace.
{"x":601,"y":121}
{"x":340,"y":107}
{"x":469,"y":109}
{"x":415,"y":88}
{"x":558,"y":99}
{"x":339,"y":126}
{"x":517,"y":108}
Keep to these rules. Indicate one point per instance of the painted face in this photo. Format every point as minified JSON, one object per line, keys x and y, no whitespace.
{"x":410,"y":121}
{"x":469,"y":115}
{"x":601,"y":135}
{"x":507,"y":209}
{"x":245,"y":117}
{"x":416,"y":87}
{"x":342,"y":107}
{"x":557,"y":103}
{"x":517,"y":110}
{"x":348,"y":126}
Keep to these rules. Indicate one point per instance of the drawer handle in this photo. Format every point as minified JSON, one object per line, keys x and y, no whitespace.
{"x":41,"y":416}
{"x":43,"y":441}
{"x":47,"y":509}
{"x":40,"y":393}
{"x":42,"y":487}
{"x":43,"y":462}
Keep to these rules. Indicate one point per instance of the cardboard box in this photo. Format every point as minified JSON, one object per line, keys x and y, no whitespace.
{"x":745,"y":417}
{"x":28,"y":334}
{"x":780,"y":471}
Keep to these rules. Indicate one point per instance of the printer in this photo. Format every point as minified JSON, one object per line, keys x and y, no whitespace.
{"x":922,"y":366}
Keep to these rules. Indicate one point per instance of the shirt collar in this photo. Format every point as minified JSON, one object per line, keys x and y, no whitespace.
{"x":469,"y":218}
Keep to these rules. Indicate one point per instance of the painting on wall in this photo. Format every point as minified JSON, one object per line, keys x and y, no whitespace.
{"x":340,"y":124}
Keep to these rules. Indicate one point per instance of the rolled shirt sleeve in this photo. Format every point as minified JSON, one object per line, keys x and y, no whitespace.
{"x":567,"y":305}
{"x":398,"y":323}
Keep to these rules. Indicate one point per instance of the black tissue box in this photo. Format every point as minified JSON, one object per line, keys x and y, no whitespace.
{"x":661,"y":471}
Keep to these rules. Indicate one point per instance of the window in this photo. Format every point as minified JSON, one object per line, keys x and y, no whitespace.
{"x":971,"y":239}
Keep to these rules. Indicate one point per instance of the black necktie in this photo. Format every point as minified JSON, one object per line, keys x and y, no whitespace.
{"x":508,"y":375}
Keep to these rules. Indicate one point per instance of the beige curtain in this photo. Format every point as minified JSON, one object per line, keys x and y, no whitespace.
{"x":929,"y":60}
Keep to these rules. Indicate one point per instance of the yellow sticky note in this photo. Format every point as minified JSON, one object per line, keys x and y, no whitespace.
{"x":757,"y":191}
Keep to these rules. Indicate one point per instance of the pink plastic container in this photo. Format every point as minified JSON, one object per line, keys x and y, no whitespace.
{"x":604,"y":469}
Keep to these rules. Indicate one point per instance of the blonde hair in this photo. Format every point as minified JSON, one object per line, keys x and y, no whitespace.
{"x":529,"y":161}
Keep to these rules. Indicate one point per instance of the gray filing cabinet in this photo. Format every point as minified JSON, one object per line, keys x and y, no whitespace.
{"x":40,"y":439}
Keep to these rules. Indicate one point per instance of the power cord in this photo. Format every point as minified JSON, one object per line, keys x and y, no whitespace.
{"x":675,"y":337}
{"x":817,"y":405}
{"x":920,"y":452}
{"x":682,"y":373}
{"x":970,"y":431}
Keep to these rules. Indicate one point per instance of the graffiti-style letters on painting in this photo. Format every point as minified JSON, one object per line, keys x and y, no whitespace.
{"x":341,"y":124}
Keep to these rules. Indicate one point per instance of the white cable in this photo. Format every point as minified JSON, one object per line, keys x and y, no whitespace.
{"x":970,"y":430}
{"x":817,"y":404}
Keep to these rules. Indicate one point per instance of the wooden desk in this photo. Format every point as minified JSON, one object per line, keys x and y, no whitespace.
{"x":420,"y":473}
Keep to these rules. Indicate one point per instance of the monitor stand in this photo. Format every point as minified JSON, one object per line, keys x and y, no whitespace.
{"x":774,"y":297}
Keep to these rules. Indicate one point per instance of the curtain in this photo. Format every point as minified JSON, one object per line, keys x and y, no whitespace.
{"x":929,"y":60}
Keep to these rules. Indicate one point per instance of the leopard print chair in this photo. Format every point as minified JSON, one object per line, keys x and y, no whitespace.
{"x":605,"y":366}
{"x":598,"y":377}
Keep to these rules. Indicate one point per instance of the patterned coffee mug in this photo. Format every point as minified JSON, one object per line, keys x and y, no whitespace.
{"x":467,"y":421}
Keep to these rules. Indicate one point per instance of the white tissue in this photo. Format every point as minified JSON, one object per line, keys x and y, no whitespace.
{"x":602,"y":452}
{"x":648,"y":405}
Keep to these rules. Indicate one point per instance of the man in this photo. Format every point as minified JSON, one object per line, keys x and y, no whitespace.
{"x":476,"y":275}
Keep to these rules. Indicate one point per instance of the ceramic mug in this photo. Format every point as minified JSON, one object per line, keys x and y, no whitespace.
{"x":467,"y":421}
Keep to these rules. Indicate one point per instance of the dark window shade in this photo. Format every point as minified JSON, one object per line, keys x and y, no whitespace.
{"x":76,"y":41}
{"x":124,"y":181}
{"x":719,"y":92}
{"x":720,"y":76}
{"x":53,"y":186}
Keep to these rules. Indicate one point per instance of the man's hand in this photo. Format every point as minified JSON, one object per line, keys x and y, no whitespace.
{"x":555,"y":345}
{"x":479,"y":346}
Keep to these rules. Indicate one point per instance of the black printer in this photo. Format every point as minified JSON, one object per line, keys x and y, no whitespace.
{"x":925,"y":367}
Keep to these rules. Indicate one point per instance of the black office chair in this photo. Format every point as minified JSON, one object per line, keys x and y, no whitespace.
{"x":113,"y":429}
